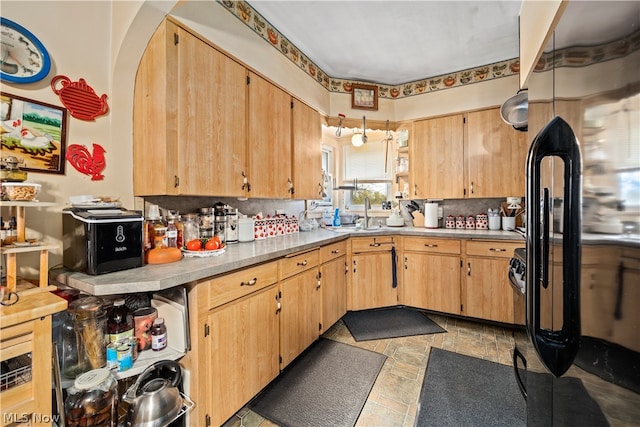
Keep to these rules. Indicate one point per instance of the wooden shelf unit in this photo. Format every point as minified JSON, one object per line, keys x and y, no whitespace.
{"x":18,"y":209}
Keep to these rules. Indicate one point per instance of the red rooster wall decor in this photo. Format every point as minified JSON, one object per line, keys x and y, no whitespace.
{"x":85,"y":162}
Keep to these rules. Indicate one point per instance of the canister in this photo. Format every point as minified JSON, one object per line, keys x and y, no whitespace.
{"x":220,"y":222}
{"x":232,"y":226}
{"x":245,"y":229}
{"x":471,"y":223}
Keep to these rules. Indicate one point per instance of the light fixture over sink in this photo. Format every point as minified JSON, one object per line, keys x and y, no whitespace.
{"x":356,"y":139}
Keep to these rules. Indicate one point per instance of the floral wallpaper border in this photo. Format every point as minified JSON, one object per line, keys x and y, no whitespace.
{"x":568,"y":57}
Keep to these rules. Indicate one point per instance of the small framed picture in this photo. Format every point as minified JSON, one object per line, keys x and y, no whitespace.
{"x":364,"y":97}
{"x":34,"y":133}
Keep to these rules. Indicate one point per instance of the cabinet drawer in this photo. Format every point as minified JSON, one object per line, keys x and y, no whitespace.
{"x":335,"y":250}
{"x":495,"y":248}
{"x":373,"y":244}
{"x":232,"y":286}
{"x":296,"y":263}
{"x":428,"y":244}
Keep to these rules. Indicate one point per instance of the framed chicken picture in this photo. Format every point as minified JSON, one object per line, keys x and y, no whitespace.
{"x":34,"y":133}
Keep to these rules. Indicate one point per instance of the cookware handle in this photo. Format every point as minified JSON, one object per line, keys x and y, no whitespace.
{"x":169,"y":365}
{"x":556,"y":348}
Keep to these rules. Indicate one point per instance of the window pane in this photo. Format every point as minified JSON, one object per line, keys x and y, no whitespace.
{"x":377,"y":192}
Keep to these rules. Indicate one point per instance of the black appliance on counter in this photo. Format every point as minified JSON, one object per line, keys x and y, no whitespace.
{"x":578,"y":363}
{"x":102,"y":240}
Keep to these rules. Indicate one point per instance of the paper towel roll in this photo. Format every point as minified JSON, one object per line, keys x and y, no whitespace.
{"x":431,"y":215}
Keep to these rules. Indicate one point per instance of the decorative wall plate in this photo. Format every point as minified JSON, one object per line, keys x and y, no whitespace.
{"x":23,"y":58}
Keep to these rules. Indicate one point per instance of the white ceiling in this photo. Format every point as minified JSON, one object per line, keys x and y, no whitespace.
{"x":393,"y":42}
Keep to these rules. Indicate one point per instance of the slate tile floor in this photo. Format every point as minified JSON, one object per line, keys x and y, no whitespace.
{"x":394,"y":396}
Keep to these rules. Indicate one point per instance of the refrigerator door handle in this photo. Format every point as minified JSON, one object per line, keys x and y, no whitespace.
{"x":518,"y":355}
{"x":556,"y":348}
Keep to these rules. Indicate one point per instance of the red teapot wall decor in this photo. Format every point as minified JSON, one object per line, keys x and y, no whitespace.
{"x":79,"y":98}
{"x":88,"y":163}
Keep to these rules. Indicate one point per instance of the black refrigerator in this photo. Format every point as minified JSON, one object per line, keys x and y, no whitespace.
{"x":578,"y":362}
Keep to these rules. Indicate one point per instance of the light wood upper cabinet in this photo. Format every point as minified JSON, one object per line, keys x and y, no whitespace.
{"x":189,"y":131}
{"x":496,"y":154}
{"x":436,"y":152}
{"x":307,"y":152}
{"x":269,"y":142}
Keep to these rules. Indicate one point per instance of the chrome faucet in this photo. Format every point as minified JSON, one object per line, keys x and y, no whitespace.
{"x":367,"y":206}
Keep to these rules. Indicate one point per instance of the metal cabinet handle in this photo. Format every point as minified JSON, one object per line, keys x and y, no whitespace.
{"x":374,"y":245}
{"x":335,"y":251}
{"x":468,"y":269}
{"x":406,"y":263}
{"x":250,"y":282}
{"x":303,"y":263}
{"x":245,"y":182}
{"x":497,"y":249}
{"x":431,"y":245}
{"x":471,"y":187}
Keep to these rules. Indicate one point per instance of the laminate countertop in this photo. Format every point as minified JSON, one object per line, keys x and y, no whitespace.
{"x":150,"y":278}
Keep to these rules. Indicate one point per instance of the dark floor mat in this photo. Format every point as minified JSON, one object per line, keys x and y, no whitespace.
{"x":460,"y":390}
{"x":327,"y":385}
{"x":392,"y":322}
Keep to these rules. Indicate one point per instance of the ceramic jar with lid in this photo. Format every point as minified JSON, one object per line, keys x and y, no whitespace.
{"x":482,"y":221}
{"x":92,"y":400}
{"x":460,"y":222}
{"x":471,"y":223}
{"x":450,"y":222}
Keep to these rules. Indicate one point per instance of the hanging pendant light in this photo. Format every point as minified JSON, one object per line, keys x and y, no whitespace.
{"x":356,"y":139}
{"x":359,"y":138}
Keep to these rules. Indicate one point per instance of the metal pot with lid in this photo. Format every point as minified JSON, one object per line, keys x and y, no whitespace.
{"x":155,"y":400}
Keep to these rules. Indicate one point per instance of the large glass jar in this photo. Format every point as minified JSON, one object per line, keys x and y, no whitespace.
{"x":190,"y":228}
{"x":83,"y":338}
{"x":92,"y":400}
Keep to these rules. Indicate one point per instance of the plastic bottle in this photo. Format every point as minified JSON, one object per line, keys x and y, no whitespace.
{"x":158,"y":335}
{"x":120,"y":324}
{"x":172,"y":232}
{"x":336,"y":218}
{"x":153,"y":221}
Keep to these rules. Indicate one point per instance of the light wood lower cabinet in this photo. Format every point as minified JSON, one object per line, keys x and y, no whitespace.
{"x":431,"y":274}
{"x":25,"y":340}
{"x":300,"y":302}
{"x":235,"y":347}
{"x":333,"y":283}
{"x":486,"y":292}
{"x":372,"y":272}
{"x":241,"y":353}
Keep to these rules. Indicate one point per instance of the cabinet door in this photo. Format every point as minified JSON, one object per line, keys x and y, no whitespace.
{"x":487,"y":292}
{"x":269,"y":141}
{"x":307,"y":152}
{"x":436,"y":158}
{"x":431,"y":282}
{"x":189,"y":131}
{"x":334,"y":291}
{"x":372,"y":281}
{"x":495,"y":156}
{"x":300,"y":315}
{"x":241,"y":352}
